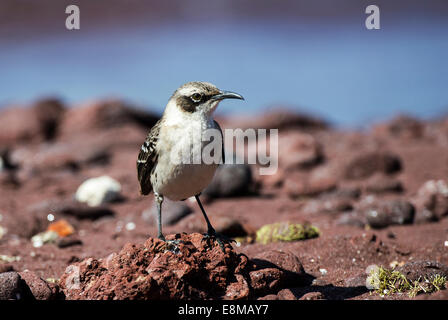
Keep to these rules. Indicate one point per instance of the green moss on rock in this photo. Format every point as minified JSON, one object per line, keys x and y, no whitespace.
{"x":285,"y":231}
{"x":386,"y":282}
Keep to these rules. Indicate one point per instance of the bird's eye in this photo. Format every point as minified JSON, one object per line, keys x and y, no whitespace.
{"x":196,"y":97}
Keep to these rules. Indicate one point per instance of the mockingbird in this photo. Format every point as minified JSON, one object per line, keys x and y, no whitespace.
{"x":188,"y":112}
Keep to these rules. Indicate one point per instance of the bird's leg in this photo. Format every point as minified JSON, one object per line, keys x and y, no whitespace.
{"x":210,"y":229}
{"x":159,"y":200}
{"x":211,"y":232}
{"x":171,"y":243}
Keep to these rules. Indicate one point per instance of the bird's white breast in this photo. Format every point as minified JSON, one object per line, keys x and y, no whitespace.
{"x":181,"y":136}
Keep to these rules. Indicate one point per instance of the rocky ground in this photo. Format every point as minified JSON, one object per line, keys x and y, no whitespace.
{"x":340,"y":202}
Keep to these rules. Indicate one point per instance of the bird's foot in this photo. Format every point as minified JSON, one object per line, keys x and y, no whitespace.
{"x":220,"y":238}
{"x":171,"y":245}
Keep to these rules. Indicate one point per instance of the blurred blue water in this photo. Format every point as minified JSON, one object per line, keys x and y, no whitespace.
{"x":347,"y":74}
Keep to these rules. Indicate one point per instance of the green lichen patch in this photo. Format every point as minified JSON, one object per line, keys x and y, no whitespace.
{"x":386,"y":282}
{"x":285,"y":231}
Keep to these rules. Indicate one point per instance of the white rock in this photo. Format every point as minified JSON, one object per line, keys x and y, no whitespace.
{"x":130,"y":226}
{"x":5,"y":258}
{"x":97,"y":191}
{"x":44,"y":237}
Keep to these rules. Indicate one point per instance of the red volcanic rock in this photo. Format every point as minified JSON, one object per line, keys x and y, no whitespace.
{"x":299,"y":151}
{"x":287,"y":262}
{"x":320,"y":180}
{"x":35,"y":123}
{"x":61,"y":156}
{"x":275,"y":180}
{"x":41,"y":289}
{"x":17,"y":124}
{"x":286,"y":294}
{"x":366,"y":164}
{"x":197,"y":269}
{"x":230,"y":227}
{"x":48,"y":113}
{"x":384,"y":213}
{"x":104,"y":114}
{"x":328,"y":205}
{"x":401,"y":127}
{"x":10,"y":286}
{"x":278,"y":118}
{"x":380,"y":183}
{"x":313,"y":296}
{"x":421,"y":270}
{"x":276,"y":269}
{"x":266,"y":280}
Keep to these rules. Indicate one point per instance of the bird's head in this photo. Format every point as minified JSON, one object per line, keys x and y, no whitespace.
{"x":200,"y":97}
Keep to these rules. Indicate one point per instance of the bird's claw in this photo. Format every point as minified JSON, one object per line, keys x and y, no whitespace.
{"x":171,"y":245}
{"x":220,"y":238}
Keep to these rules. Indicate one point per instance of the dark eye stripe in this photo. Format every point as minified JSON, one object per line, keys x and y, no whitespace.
{"x":206,"y":97}
{"x":186,"y":104}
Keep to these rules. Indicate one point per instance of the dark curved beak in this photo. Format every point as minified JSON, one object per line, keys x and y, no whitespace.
{"x":227,"y":95}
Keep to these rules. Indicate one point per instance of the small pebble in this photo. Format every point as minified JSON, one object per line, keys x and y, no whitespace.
{"x":61,"y":227}
{"x":130,"y":226}
{"x":44,"y":237}
{"x":5,"y":258}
